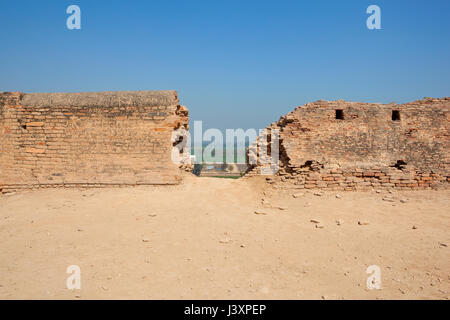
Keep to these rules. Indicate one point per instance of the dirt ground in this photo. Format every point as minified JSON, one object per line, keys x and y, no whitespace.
{"x":203,"y":240}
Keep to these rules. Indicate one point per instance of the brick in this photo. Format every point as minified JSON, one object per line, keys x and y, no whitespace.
{"x":35,"y":150}
{"x":368,"y":174}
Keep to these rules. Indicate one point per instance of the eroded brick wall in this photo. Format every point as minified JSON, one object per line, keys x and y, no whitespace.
{"x":88,"y":139}
{"x":349,"y":145}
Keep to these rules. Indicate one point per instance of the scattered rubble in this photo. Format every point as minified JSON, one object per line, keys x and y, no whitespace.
{"x":259,"y":212}
{"x":225,"y":240}
{"x":298,"y":195}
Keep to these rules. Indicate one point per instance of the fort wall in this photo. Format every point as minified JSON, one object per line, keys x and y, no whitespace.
{"x":351,"y":146}
{"x":88,"y":139}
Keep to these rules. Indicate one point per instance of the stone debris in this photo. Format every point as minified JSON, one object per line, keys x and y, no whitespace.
{"x":442,"y":244}
{"x":403,"y":200}
{"x":298,"y":195}
{"x":338,"y":196}
{"x":314,"y":221}
{"x":318,"y":194}
{"x":259,"y":212}
{"x":363,"y":223}
{"x":319,"y":226}
{"x":145,"y":240}
{"x":388,"y":199}
{"x":88,"y":194}
{"x":225,"y":240}
{"x":339,"y":222}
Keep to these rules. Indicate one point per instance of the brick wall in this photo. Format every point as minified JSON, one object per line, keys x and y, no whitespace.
{"x":350,"y":145}
{"x":88,"y":139}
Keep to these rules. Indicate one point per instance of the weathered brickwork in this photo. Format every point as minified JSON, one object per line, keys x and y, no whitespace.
{"x":351,"y":146}
{"x":88,"y":139}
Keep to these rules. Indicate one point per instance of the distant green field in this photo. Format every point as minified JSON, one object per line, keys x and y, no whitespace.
{"x":226,"y":177}
{"x":239,"y":156}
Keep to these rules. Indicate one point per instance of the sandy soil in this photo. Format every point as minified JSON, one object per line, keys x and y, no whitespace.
{"x":203,"y":240}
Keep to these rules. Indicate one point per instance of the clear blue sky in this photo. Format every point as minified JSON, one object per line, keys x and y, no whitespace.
{"x":235,"y":63}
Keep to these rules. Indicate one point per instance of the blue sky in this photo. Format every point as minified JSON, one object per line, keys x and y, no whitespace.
{"x":235,"y":64}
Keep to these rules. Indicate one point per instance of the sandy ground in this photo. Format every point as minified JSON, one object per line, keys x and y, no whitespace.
{"x":203,"y":240}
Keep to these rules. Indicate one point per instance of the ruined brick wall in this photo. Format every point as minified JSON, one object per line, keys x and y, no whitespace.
{"x":88,"y":139}
{"x":350,"y":145}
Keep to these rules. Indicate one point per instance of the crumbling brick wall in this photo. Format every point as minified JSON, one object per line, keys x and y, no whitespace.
{"x":88,"y":139}
{"x":350,"y":146}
